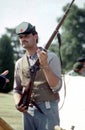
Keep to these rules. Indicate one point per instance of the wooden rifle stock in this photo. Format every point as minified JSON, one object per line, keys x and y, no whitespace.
{"x":26,"y":96}
{"x":25,"y":99}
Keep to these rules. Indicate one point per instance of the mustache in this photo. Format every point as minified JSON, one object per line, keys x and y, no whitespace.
{"x":24,"y":41}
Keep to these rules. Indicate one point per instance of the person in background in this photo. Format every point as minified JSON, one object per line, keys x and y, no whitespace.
{"x":3,"y":79}
{"x":79,"y":65}
{"x":78,"y":69}
{"x":47,"y":82}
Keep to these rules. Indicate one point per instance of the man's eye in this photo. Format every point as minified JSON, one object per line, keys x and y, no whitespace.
{"x":20,"y":37}
{"x":23,"y":36}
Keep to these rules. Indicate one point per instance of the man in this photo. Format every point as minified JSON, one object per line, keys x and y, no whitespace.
{"x":47,"y":82}
{"x":78,"y":67}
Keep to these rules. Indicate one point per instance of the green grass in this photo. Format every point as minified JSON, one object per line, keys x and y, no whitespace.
{"x":8,"y":111}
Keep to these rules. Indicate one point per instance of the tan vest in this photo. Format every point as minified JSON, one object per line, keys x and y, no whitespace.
{"x":41,"y":90}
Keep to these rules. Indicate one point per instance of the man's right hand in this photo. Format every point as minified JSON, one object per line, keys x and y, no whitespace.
{"x":21,"y":108}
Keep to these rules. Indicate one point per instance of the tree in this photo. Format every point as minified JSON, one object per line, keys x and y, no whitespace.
{"x":6,"y":61}
{"x":17,"y":48}
{"x":73,"y":39}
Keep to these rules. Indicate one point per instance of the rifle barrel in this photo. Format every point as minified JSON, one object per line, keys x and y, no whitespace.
{"x":58,"y":26}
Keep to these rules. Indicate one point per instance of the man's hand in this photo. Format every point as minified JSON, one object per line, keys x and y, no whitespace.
{"x":21,"y":108}
{"x":42,"y":55}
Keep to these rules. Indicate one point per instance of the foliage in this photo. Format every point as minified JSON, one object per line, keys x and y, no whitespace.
{"x":73,"y":40}
{"x":6,"y":61}
{"x":17,"y":48}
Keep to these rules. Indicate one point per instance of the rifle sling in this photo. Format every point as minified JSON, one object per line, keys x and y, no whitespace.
{"x":39,"y":109}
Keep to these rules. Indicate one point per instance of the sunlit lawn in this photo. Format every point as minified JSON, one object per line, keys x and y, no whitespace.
{"x":8,"y":111}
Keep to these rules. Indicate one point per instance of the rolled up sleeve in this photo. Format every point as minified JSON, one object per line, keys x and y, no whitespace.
{"x":17,"y":88}
{"x":55,"y":65}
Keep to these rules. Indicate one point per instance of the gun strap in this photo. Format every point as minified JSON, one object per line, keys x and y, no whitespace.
{"x":39,"y":109}
{"x":59,"y":41}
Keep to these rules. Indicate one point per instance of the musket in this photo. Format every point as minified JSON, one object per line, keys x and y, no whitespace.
{"x":56,"y":30}
{"x":26,"y":96}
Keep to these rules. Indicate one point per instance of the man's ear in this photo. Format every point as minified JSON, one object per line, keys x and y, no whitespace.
{"x":36,"y":37}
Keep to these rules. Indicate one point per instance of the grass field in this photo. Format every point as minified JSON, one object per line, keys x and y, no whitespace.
{"x":8,"y":111}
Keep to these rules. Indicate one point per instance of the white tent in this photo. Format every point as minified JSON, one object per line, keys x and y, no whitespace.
{"x":73,"y":111}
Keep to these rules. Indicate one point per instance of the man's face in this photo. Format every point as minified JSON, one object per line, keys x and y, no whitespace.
{"x":27,"y":40}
